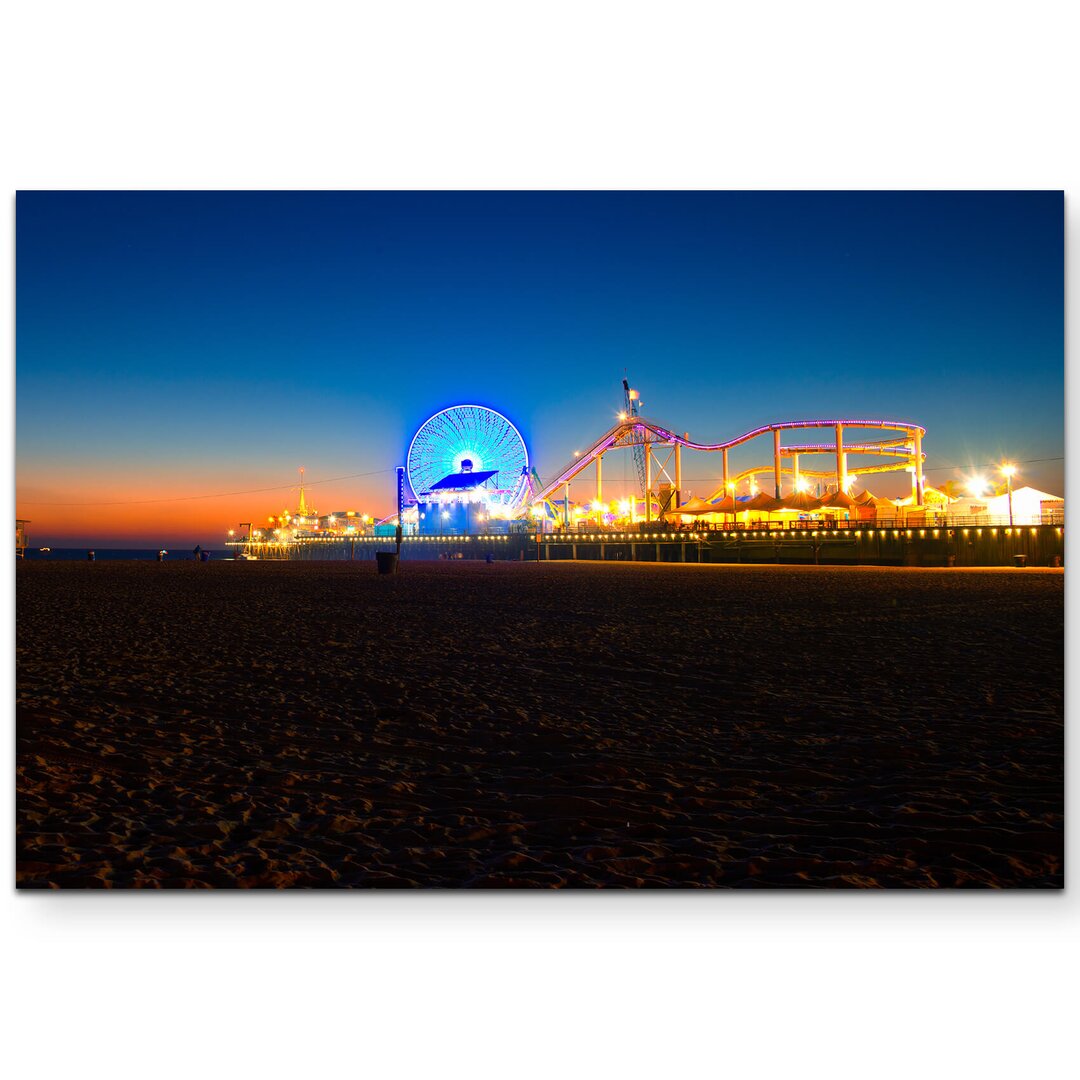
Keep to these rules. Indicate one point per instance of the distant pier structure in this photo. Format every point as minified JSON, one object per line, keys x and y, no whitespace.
{"x":20,"y":537}
{"x":287,"y":534}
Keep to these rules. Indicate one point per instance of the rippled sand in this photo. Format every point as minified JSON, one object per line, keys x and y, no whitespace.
{"x":298,"y":724}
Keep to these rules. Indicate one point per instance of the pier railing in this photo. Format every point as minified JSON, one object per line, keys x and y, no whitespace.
{"x":910,"y":521}
{"x":880,"y":543}
{"x":941,"y":542}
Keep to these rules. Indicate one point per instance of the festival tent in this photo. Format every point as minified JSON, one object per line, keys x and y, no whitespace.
{"x":695,"y":506}
{"x":759,"y":503}
{"x":932,"y":496}
{"x":1028,"y":503}
{"x":838,"y":500}
{"x":841,"y":504}
{"x":801,"y":502}
{"x":871,"y":507}
{"x":762,"y":501}
{"x":881,"y":507}
{"x":1032,"y":504}
{"x":726,"y":505}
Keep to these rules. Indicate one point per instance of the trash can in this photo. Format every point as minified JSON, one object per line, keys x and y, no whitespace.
{"x":1020,"y":560}
{"x":90,"y":556}
{"x":387,"y":561}
{"x":204,"y":556}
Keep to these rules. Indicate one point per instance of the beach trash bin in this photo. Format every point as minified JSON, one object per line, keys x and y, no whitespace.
{"x":1020,"y":561}
{"x":90,"y":556}
{"x":204,"y":556}
{"x":386,"y":561}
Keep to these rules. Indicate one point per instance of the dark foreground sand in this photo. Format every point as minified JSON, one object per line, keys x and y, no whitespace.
{"x":299,"y":724}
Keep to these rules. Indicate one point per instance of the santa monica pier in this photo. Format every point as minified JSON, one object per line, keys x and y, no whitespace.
{"x":468,"y":490}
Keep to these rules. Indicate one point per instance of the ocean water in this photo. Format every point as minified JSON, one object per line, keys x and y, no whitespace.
{"x":112,"y":554}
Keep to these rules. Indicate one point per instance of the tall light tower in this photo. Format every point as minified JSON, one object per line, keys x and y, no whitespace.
{"x":632,"y":407}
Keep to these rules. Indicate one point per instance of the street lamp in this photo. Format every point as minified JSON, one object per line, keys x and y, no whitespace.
{"x":1008,"y":471}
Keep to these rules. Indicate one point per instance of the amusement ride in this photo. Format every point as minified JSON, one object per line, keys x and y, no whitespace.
{"x":470,"y":441}
{"x":469,"y":474}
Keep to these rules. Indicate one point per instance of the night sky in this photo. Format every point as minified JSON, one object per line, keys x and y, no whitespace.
{"x":189,"y":344}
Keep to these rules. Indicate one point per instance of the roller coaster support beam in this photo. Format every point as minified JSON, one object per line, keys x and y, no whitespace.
{"x":677,"y":497}
{"x":795,"y":470}
{"x":648,"y":482}
{"x":599,"y":478}
{"x":723,"y":457}
{"x":776,"y":461}
{"x":841,"y":461}
{"x":918,"y":468}
{"x":566,"y":504}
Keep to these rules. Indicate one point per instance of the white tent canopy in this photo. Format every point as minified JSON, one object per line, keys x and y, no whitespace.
{"x":1027,"y":502}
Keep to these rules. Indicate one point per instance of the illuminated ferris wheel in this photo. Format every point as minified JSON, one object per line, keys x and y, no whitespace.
{"x":469,"y":438}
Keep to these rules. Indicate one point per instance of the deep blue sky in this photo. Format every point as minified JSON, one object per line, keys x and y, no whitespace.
{"x":186,"y":342}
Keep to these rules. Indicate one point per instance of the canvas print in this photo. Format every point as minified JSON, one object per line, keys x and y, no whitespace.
{"x":540,"y":540}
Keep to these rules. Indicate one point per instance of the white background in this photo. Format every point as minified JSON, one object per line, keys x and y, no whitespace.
{"x":420,"y":95}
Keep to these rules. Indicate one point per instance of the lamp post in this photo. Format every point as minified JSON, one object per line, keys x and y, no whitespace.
{"x":400,"y":506}
{"x":1009,"y":470}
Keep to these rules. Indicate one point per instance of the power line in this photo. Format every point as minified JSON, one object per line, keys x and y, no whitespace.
{"x":218,"y":495}
{"x":993,"y":464}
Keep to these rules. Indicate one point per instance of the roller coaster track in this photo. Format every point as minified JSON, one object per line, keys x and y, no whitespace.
{"x":638,"y":431}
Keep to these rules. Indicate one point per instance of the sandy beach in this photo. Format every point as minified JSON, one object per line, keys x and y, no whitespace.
{"x":313,"y":724}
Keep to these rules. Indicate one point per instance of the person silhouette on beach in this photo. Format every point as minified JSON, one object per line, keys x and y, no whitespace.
{"x":197,"y":552}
